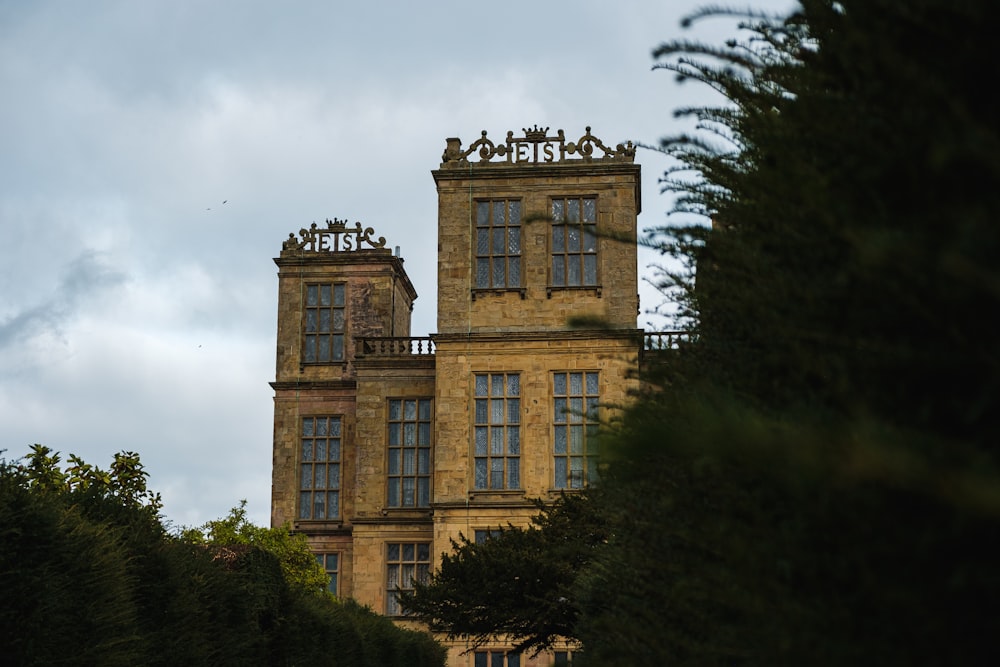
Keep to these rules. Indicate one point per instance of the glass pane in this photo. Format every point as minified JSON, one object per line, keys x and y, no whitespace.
{"x":496,"y":386}
{"x":558,"y":209}
{"x":319,"y":505}
{"x":394,"y":410}
{"x":480,"y":473}
{"x":423,"y":461}
{"x":307,"y":426}
{"x":576,"y":383}
{"x":409,"y":434}
{"x":481,"y":437}
{"x":409,"y":462}
{"x":499,"y":240}
{"x":560,"y":408}
{"x":576,"y":472}
{"x":423,"y":492}
{"x":338,"y":319}
{"x":576,"y":439}
{"x":499,"y":272}
{"x":496,"y":474}
{"x":408,"y":553}
{"x":392,"y":604}
{"x":559,"y":384}
{"x":513,"y":384}
{"x":482,"y":382}
{"x":496,"y":659}
{"x":496,"y":440}
{"x":338,"y":347}
{"x":306,"y":477}
{"x":409,"y":492}
{"x":575,"y":410}
{"x":496,"y":411}
{"x":305,"y":503}
{"x":592,"y":384}
{"x":513,"y":411}
{"x":590,"y":238}
{"x":335,"y":426}
{"x":590,"y":269}
{"x":423,"y":552}
{"x":514,"y":241}
{"x":324,"y":320}
{"x":592,"y":408}
{"x":559,"y":270}
{"x":312,"y":295}
{"x":339,"y":292}
{"x":394,"y":433}
{"x":410,"y":413}
{"x":323,"y":353}
{"x":590,"y":209}
{"x":483,"y":272}
{"x":592,"y":474}
{"x":573,"y":270}
{"x":514,"y":267}
{"x":307,"y":450}
{"x":481,"y":659}
{"x":592,"y":439}
{"x":425,"y":409}
{"x":482,"y":213}
{"x":513,"y":441}
{"x":572,"y":210}
{"x":334,"y":450}
{"x":394,"y":459}
{"x":394,"y":492}
{"x":573,"y":234}
{"x":560,"y":480}
{"x":482,"y":411}
{"x":559,"y":238}
{"x":324,"y":295}
{"x":333,"y":476}
{"x":393,"y":555}
{"x":515,"y":213}
{"x":333,"y":504}
{"x":513,"y":660}
{"x":322,"y":426}
{"x":311,"y":325}
{"x":321,"y":450}
{"x":424,"y":434}
{"x":560,"y":444}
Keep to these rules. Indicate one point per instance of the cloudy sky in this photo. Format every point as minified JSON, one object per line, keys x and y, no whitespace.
{"x":155,"y":153}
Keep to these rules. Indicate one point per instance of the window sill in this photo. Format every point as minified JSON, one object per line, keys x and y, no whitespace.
{"x":596,"y":289}
{"x":478,"y":292}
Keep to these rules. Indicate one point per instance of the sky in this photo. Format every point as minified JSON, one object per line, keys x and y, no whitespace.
{"x":154,"y":154}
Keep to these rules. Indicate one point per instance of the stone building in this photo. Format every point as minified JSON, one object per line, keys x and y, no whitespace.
{"x":388,"y":446}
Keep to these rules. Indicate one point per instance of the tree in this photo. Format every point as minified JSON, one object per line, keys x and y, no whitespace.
{"x":518,"y":583}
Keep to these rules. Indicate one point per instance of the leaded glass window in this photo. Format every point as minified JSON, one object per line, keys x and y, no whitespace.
{"x":406,"y":562}
{"x":575,"y":406}
{"x":497,"y":431}
{"x":319,"y":468}
{"x":331,"y":565}
{"x":324,"y":325}
{"x":498,"y":243}
{"x":574,"y":241}
{"x":409,"y":452}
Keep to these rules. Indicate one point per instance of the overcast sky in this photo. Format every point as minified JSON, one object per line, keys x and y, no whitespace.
{"x":155,"y":154}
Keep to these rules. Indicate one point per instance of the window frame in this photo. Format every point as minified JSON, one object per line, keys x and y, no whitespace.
{"x":563,"y":258}
{"x":489,"y":658}
{"x":491,"y":415}
{"x":400,"y":475}
{"x":484,"y":238}
{"x":575,"y":419}
{"x":323,"y":558}
{"x":420,"y":562}
{"x":308,"y":457}
{"x":313,"y":335}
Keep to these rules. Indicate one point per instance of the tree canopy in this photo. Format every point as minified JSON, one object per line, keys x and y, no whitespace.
{"x":813,"y":479}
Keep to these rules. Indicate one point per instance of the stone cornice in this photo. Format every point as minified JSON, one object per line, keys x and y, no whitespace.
{"x":508,"y":336}
{"x":311,"y":385}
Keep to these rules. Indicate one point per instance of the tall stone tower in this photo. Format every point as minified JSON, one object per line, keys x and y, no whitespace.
{"x":387,"y":447}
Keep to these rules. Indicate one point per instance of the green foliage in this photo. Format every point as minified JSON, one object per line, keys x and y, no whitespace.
{"x":298,"y":564}
{"x":518,"y":583}
{"x":91,"y":577}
